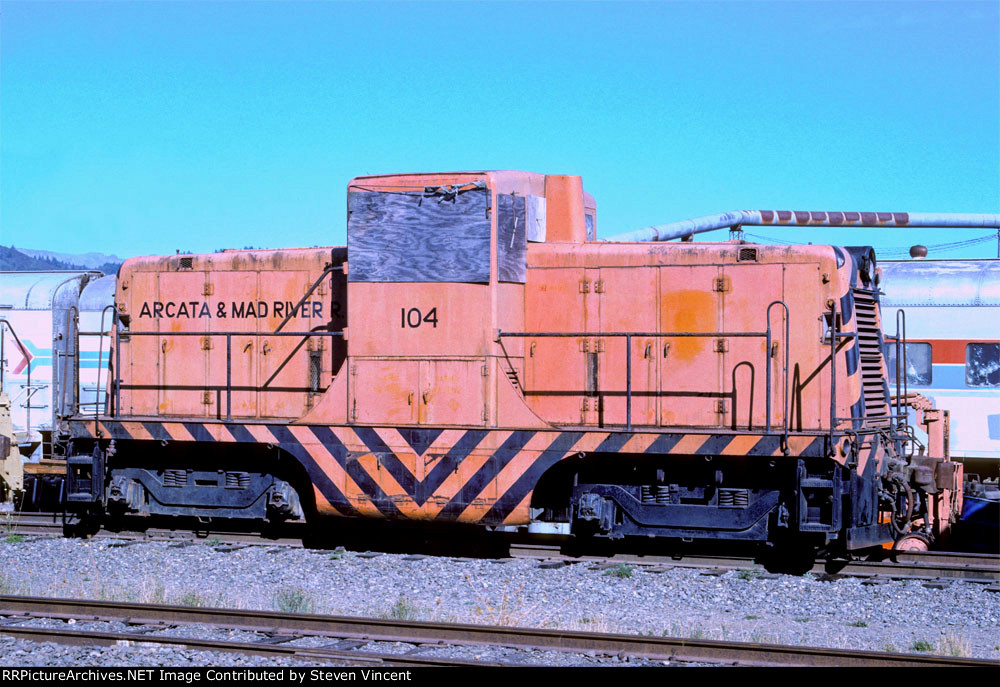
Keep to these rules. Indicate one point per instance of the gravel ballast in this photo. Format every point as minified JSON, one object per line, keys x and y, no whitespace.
{"x":961,"y":619}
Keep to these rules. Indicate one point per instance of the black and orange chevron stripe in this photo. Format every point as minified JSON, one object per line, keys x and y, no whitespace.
{"x":479,"y":476}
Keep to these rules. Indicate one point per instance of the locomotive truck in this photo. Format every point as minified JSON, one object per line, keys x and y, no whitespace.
{"x":475,"y":354}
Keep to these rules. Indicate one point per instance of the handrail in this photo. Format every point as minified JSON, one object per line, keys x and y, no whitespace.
{"x":329,"y":269}
{"x":229,"y":358}
{"x":4,"y":322}
{"x":833,"y":370}
{"x":719,"y":335}
{"x":315,"y":333}
{"x":902,"y":419}
{"x":72,"y":340}
{"x":100,"y":354}
{"x":767,"y":354}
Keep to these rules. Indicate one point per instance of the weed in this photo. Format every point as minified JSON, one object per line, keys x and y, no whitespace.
{"x":922,"y":645}
{"x":674,"y":630}
{"x":748,"y":574}
{"x":106,"y":593}
{"x":8,"y":527}
{"x":510,"y":611}
{"x":698,"y":633}
{"x":858,"y":623}
{"x":803,"y":620}
{"x":114,"y":594}
{"x":403,"y":609}
{"x":620,"y":570}
{"x":758,"y":637}
{"x":593,"y":625}
{"x":949,"y":645}
{"x":14,"y":539}
{"x":192,"y":599}
{"x":214,"y":541}
{"x":890,"y":648}
{"x":292,"y":600}
{"x":751,"y":617}
{"x":336,"y":555}
{"x":158,"y":595}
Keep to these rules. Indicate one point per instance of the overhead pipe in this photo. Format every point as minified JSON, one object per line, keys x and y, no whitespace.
{"x":767,"y":218}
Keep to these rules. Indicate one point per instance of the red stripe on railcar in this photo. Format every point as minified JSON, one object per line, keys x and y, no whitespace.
{"x":949,"y":351}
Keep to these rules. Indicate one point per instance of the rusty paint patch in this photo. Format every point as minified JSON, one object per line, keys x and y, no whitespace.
{"x":687,"y":311}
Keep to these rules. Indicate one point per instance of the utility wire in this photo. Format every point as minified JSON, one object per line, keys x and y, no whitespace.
{"x":895,"y":251}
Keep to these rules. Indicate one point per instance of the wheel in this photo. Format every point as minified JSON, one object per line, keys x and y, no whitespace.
{"x":81,"y":526}
{"x":913,"y":541}
{"x":793,"y":556}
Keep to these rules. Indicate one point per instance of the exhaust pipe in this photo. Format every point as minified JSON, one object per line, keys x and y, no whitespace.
{"x":767,"y":218}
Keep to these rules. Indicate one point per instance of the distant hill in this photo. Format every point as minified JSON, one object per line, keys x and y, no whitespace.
{"x":89,"y":260}
{"x":14,"y":260}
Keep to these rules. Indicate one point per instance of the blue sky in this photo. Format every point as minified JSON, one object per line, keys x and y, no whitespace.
{"x":143,"y":128}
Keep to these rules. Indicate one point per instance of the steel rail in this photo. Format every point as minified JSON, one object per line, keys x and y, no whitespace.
{"x":98,"y":638}
{"x":51,"y":524}
{"x":933,"y":565}
{"x":926,"y":565}
{"x":375,"y":629}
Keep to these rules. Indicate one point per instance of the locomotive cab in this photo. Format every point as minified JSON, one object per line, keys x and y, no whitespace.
{"x":438,"y":265}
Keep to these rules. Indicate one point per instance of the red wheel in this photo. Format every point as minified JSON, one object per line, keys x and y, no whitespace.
{"x":912,"y":542}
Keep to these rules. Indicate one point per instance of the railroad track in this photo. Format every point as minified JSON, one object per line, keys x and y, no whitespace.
{"x":279,"y":630}
{"x":51,"y":524}
{"x":933,"y":565}
{"x":927,"y":566}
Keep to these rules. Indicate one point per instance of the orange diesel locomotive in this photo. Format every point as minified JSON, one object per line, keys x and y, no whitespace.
{"x":476,"y":355}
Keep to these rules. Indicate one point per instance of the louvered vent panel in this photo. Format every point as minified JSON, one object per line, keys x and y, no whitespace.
{"x":873,"y":386}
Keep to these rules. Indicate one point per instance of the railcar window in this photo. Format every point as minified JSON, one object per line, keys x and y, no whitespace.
{"x":918,"y":363}
{"x":982,"y":364}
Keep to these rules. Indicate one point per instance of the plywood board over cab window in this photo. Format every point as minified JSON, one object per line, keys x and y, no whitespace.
{"x":419,"y":236}
{"x":512,"y":238}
